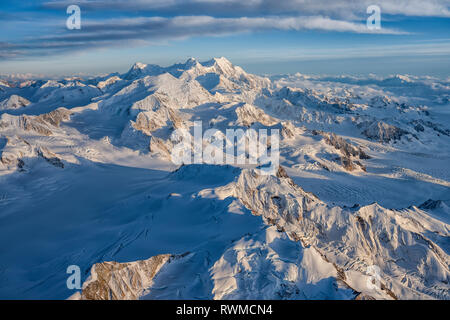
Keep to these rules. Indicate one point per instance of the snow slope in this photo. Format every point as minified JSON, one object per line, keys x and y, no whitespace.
{"x":86,"y":179}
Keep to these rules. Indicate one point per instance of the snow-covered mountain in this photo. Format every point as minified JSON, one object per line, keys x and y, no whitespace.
{"x":357,"y":209}
{"x":14,"y":102}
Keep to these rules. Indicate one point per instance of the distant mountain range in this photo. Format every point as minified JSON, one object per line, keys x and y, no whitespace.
{"x":358,"y":208}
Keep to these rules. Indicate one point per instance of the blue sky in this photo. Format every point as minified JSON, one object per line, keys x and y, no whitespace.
{"x":263,"y":36}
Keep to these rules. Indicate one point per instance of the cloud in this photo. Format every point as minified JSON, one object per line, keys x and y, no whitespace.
{"x":146,"y":22}
{"x":187,"y":26}
{"x":348,"y":9}
{"x":422,"y":48}
{"x":151,"y":30}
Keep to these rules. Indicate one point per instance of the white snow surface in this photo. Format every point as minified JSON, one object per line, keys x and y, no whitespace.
{"x":86,"y":179}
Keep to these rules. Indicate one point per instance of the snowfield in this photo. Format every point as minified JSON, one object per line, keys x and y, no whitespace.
{"x":359,"y":207}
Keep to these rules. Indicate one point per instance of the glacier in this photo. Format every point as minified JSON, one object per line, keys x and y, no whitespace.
{"x":86,"y":179}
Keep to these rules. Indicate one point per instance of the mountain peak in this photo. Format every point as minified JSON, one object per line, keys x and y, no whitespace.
{"x":222,"y":61}
{"x":138,"y":69}
{"x":191,"y":62}
{"x":139,"y":66}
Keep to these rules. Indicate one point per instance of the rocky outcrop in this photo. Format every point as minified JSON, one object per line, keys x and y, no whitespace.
{"x":13,"y":152}
{"x":382,"y":132}
{"x":43,"y":124}
{"x":399,"y":242}
{"x":149,"y":121}
{"x":140,"y":133}
{"x":50,"y":157}
{"x":431,"y":204}
{"x":248,"y":114}
{"x":419,"y":126}
{"x":269,"y":265}
{"x":16,"y":150}
{"x":342,"y":145}
{"x":122,"y":281}
{"x":161,"y":147}
{"x":288,"y":130}
{"x":55,"y":117}
{"x":350,"y":155}
{"x":14,"y":102}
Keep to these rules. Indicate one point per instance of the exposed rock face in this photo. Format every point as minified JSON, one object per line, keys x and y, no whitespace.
{"x":383,"y":132}
{"x":294,"y":246}
{"x":154,"y":112}
{"x":288,"y":130}
{"x":346,"y":148}
{"x":14,"y":150}
{"x":57,"y":116}
{"x":362,"y":296}
{"x":354,"y":239}
{"x":36,"y":124}
{"x":141,"y":131}
{"x":161,"y":147}
{"x":14,"y":102}
{"x":275,"y":203}
{"x":42,"y":124}
{"x":150,"y":121}
{"x":122,"y":281}
{"x":380,"y":101}
{"x":147,"y":123}
{"x":431,"y":204}
{"x":50,"y":157}
{"x":287,"y":267}
{"x":348,"y":151}
{"x":248,"y":114}
{"x":420,"y":124}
